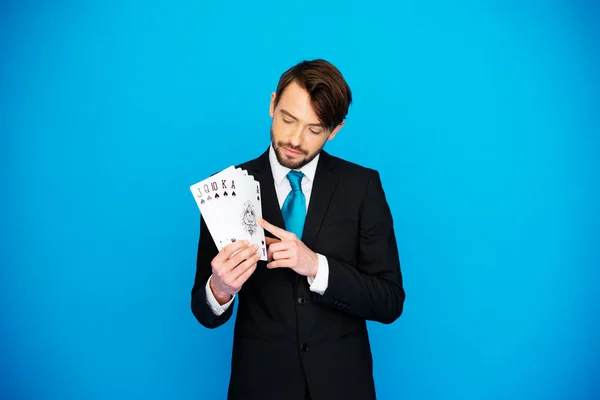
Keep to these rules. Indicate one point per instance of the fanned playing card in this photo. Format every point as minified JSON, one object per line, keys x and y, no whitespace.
{"x":209,"y":201}
{"x":230,"y":203}
{"x":249,"y":208}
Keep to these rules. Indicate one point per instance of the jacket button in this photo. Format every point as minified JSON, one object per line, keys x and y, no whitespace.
{"x":301,"y":300}
{"x":304,"y":347}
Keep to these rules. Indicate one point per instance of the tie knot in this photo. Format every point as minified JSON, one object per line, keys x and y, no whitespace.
{"x":295,"y":177}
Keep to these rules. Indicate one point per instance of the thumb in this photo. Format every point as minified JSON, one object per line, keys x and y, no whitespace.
{"x":270,"y":240}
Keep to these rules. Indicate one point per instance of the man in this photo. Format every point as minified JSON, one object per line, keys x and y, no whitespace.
{"x":300,"y":330}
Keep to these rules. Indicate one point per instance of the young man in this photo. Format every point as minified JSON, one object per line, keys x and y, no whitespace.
{"x":300,"y":330}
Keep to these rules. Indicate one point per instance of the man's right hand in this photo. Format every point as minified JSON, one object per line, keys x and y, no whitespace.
{"x":231,"y":272}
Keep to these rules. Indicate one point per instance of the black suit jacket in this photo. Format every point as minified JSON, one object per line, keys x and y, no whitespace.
{"x":287,"y":338}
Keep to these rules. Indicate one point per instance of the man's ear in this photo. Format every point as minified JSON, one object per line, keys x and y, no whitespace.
{"x":272,"y":106}
{"x":335,"y":131}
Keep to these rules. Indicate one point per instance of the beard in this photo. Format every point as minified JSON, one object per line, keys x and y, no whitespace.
{"x":284,"y":160}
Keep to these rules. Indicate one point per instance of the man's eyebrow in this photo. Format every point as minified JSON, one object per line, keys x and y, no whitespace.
{"x":288,"y":114}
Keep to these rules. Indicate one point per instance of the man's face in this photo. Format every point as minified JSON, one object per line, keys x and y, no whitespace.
{"x":296,"y":132}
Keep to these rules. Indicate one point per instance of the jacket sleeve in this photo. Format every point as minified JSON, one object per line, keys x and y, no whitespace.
{"x":372,"y":289}
{"x":200,"y":307}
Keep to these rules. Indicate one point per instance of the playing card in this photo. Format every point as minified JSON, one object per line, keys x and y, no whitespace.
{"x":208,"y":196}
{"x":239,"y":213}
{"x":256,"y":198}
{"x":247,"y":210}
{"x":230,"y":204}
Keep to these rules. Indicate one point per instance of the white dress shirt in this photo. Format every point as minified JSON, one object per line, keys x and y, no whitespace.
{"x":318,"y":284}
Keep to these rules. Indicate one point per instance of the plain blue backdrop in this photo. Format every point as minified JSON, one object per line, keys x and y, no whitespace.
{"x":482,"y":118}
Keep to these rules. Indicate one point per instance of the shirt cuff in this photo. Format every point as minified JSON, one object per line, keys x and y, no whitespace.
{"x":318,"y":284}
{"x":214,"y":305}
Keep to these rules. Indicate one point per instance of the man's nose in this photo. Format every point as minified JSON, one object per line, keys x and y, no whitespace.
{"x":296,"y":137}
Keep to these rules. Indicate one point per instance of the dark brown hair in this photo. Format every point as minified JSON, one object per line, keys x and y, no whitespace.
{"x":329,"y":93}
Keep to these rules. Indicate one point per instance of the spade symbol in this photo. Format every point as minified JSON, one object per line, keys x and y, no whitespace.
{"x":233,"y":239}
{"x":217,"y":196}
{"x":225,"y":194}
{"x":202,"y":201}
{"x":233,"y":194}
{"x":257,"y":198}
{"x":209,"y":198}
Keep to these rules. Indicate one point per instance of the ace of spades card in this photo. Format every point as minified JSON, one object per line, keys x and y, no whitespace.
{"x":243,"y":210}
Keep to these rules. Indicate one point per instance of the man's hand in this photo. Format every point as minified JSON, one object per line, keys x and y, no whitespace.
{"x":231,"y":272}
{"x":289,"y":251}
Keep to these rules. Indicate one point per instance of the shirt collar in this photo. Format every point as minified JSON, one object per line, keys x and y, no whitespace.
{"x":280,"y":172}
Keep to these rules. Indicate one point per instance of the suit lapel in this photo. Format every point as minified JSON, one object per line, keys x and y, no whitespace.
{"x":322,"y":191}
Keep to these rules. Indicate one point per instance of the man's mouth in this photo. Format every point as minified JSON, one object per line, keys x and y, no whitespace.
{"x":291,"y":152}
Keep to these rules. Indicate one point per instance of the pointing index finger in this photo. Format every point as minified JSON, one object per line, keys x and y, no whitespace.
{"x":278,"y":232}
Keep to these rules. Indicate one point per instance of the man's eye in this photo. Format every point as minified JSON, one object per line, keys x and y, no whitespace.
{"x":287,"y":121}
{"x":315,"y":132}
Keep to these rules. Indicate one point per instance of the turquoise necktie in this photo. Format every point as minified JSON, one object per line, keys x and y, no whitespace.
{"x":294,"y":206}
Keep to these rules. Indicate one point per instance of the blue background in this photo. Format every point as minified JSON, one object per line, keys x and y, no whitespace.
{"x":481,"y":117}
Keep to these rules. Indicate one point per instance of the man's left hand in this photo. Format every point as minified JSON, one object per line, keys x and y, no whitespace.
{"x":289,"y":252}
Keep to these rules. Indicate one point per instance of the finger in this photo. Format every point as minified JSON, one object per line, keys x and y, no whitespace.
{"x":229,"y":250}
{"x":276,"y":231}
{"x":281,"y":246}
{"x":242,"y":255}
{"x":282,"y":255}
{"x":271,"y":240}
{"x":236,"y":272}
{"x":273,"y":248}
{"x":279,"y":264}
{"x":244,"y":277}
